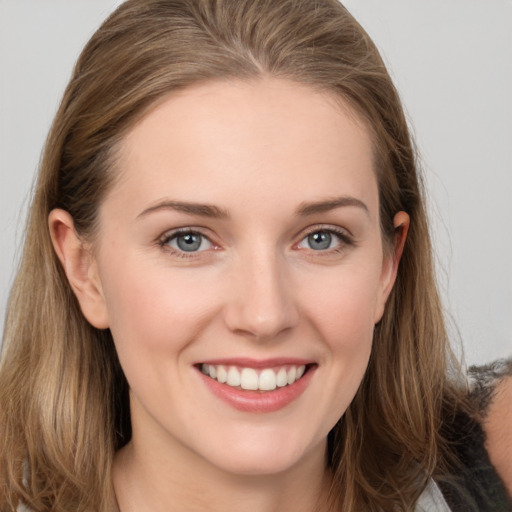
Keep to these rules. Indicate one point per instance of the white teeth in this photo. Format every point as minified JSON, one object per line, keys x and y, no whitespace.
{"x":249,"y":379}
{"x":222,"y":374}
{"x":282,"y":378}
{"x":267,"y":379}
{"x":233,"y":377}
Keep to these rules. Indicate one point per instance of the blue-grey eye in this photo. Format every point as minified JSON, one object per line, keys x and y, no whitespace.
{"x":189,"y":242}
{"x":319,"y":241}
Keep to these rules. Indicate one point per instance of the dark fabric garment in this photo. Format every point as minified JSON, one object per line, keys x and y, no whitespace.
{"x":484,"y":380}
{"x":473,"y":484}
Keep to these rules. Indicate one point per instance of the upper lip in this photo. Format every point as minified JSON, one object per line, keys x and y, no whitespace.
{"x":246,"y":362}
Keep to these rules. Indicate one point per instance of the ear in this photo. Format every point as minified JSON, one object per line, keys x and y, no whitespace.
{"x":391,"y":261}
{"x":79,"y":266}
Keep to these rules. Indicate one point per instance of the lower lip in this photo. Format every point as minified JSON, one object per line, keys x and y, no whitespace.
{"x":259,"y":401}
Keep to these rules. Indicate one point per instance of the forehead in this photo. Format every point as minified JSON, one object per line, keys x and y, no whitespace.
{"x":267,"y":137}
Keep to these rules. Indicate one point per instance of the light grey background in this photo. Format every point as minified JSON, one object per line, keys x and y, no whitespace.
{"x":452,"y":62}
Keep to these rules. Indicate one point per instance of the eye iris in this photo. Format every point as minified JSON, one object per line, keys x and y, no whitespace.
{"x":189,"y":242}
{"x":320,"y":240}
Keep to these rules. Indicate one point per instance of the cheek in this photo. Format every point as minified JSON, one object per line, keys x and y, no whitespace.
{"x":347,"y":330}
{"x":343,"y":315}
{"x":151,"y":309}
{"x":343,"y":305}
{"x":155,"y":314}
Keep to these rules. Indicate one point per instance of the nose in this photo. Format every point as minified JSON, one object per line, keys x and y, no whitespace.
{"x":261,"y":301}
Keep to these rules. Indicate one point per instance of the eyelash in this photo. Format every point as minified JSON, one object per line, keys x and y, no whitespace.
{"x":345,"y":239}
{"x":168,"y":237}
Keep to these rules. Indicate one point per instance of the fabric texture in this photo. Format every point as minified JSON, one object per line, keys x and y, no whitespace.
{"x":432,"y":500}
{"x":472,"y":484}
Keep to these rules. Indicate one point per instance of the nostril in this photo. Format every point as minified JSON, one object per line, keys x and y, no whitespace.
{"x":242,"y":321}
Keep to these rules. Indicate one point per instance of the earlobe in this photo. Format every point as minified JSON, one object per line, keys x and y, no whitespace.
{"x":79,"y":266}
{"x":401,"y":223}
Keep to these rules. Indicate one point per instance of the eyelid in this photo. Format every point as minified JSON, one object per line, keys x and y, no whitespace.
{"x":165,"y":238}
{"x":344,"y":235}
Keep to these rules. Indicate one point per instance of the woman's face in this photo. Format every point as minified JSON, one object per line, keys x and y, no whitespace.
{"x":242,"y":240}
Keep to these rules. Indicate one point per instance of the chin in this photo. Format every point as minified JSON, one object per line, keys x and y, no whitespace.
{"x":256,"y":466}
{"x":254,"y":456}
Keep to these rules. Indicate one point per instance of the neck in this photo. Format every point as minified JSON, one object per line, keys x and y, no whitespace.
{"x":152,"y":477}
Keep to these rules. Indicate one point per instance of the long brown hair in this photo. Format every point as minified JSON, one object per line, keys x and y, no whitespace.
{"x":63,"y":398}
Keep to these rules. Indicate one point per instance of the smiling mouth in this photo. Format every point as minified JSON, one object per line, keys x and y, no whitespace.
{"x":251,"y":379}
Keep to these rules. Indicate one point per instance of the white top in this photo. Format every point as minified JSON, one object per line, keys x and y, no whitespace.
{"x":432,"y":500}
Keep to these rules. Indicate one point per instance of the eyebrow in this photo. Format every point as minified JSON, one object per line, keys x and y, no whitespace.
{"x":203,"y":210}
{"x":209,"y":210}
{"x":312,"y":208}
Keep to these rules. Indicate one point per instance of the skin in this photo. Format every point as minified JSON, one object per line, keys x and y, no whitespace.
{"x":258,"y":152}
{"x":498,"y":431}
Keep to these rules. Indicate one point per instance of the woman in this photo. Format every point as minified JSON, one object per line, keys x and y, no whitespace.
{"x":226,"y":298}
